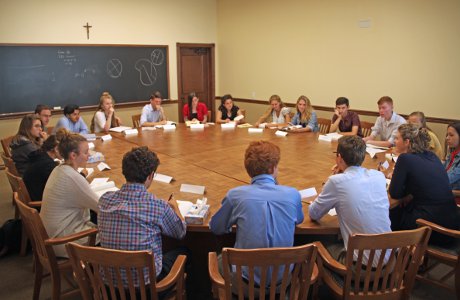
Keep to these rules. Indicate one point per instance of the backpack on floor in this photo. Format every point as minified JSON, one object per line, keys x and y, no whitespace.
{"x":10,"y":237}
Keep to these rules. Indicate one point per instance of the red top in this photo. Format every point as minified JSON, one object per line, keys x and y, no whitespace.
{"x":201,"y":111}
{"x":452,"y":156}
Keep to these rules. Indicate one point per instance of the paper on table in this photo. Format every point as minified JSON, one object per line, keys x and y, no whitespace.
{"x":162,"y":178}
{"x":196,"y":126}
{"x":130,"y":131}
{"x":325,"y":138}
{"x":385,"y":164}
{"x":262,"y":125}
{"x":190,"y":188}
{"x":103,"y":166}
{"x":372,"y":151}
{"x":308,"y":193}
{"x":332,"y":212}
{"x":91,"y":145}
{"x":255,"y":130}
{"x":377,"y":147}
{"x":184,"y":206}
{"x":89,"y":136}
{"x":281,"y":133}
{"x":119,"y":128}
{"x":388,"y":182}
{"x":98,"y":181}
{"x":148,"y":128}
{"x":230,"y":125}
{"x":101,"y":189}
{"x":88,"y":170}
{"x":106,"y":137}
{"x":169,"y":127}
{"x":245,"y":125}
{"x":334,"y":135}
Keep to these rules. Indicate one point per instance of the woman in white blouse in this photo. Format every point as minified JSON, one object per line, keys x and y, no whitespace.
{"x":278,"y":115}
{"x":105,"y":118}
{"x":68,"y":197}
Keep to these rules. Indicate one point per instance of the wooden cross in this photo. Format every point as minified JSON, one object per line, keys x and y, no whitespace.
{"x":87,"y":26}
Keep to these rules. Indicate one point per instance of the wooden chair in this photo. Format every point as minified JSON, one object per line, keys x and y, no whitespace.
{"x":366,"y":128}
{"x":296,"y":283}
{"x":6,"y":145}
{"x":44,"y":257}
{"x":208,"y":117}
{"x":136,"y":120}
{"x":448,"y":255}
{"x":10,"y":165}
{"x":357,"y":280}
{"x":18,"y":186}
{"x":90,"y":264}
{"x":324,"y":125}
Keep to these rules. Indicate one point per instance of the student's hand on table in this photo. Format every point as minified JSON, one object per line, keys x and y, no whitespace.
{"x":164,"y":122}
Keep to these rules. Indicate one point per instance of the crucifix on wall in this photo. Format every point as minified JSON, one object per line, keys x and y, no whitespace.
{"x":87,"y":26}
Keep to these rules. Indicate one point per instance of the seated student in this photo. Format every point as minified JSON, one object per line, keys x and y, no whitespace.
{"x":227,"y":111}
{"x":264,"y":212}
{"x":71,"y":120}
{"x":26,"y":140}
{"x":421,"y":185}
{"x":278,"y":115}
{"x":358,"y":195}
{"x":134,"y":219}
{"x":68,"y":197}
{"x":418,"y":118}
{"x":104,"y":118}
{"x":41,"y":165}
{"x":305,"y":116}
{"x":386,"y":125}
{"x":344,"y":120}
{"x":153,"y":114}
{"x":195,"y":110}
{"x":44,"y":113}
{"x":452,"y":163}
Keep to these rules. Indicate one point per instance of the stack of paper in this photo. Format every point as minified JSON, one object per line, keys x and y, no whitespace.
{"x":230,"y":125}
{"x":238,"y":118}
{"x":373,"y":151}
{"x":101,"y":185}
{"x":245,"y":125}
{"x":119,"y":128}
{"x":333,"y":136}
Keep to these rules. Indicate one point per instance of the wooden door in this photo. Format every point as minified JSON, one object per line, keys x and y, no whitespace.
{"x":195,"y":73}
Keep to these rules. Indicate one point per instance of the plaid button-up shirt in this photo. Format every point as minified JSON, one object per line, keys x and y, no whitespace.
{"x":133,"y":219}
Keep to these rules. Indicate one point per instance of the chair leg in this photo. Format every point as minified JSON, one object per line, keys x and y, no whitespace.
{"x":24,"y":240}
{"x":38,"y":279}
{"x":56,"y":282}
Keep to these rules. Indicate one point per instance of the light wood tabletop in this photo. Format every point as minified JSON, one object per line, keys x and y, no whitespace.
{"x":214,"y":158}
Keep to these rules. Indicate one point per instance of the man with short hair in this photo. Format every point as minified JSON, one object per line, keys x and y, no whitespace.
{"x":346,"y":121}
{"x":134,"y":219}
{"x":153,"y":114}
{"x":72,"y":120}
{"x":386,"y":125}
{"x":358,"y":195}
{"x":44,"y":113}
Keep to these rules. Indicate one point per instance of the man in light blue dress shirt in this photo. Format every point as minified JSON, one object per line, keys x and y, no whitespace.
{"x":264,"y":212}
{"x":358,"y":195}
{"x":153,"y":114}
{"x":72,"y":120}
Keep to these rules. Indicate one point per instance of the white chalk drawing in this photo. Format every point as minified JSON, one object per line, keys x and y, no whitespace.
{"x":147,"y":71}
{"x":87,"y":72}
{"x":157,"y":57}
{"x":114,"y":68}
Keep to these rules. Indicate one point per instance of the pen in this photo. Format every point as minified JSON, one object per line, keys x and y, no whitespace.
{"x":170,"y":197}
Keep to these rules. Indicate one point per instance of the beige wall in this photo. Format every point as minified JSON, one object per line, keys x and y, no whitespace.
{"x":315,"y":47}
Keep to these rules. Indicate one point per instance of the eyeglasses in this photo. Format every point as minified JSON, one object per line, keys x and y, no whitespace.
{"x":38,"y":126}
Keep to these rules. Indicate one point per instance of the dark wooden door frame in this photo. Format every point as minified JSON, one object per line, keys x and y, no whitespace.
{"x":212,"y":75}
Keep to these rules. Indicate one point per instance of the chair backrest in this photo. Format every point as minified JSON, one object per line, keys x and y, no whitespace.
{"x":136,"y":120}
{"x":37,"y":234}
{"x":9,"y":163}
{"x":18,"y":186}
{"x":324,"y":125}
{"x":209,"y":116}
{"x":276,"y":268}
{"x":393,"y":280}
{"x":6,"y":145}
{"x":366,"y":128}
{"x":95,"y":268}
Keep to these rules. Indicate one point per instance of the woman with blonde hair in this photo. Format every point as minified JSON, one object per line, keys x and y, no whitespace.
{"x":27,"y":139}
{"x":104,"y":118}
{"x":278,"y":115}
{"x":305,"y":116}
{"x":420,"y":183}
{"x":418,"y":118}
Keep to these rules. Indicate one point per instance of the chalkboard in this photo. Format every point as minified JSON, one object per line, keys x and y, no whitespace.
{"x":57,"y":75}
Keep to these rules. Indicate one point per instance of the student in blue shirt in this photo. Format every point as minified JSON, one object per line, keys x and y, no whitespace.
{"x":304,"y":116}
{"x":71,"y":120}
{"x":264,"y":212}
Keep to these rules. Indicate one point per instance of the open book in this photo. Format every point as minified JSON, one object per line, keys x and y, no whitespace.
{"x":101,"y":188}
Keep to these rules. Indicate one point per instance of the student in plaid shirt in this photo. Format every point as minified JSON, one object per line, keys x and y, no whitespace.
{"x":133,"y":219}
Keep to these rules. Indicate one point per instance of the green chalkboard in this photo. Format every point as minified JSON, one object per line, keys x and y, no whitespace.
{"x":57,"y":75}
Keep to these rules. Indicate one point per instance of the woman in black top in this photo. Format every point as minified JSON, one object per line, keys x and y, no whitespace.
{"x":227,"y":110}
{"x":41,"y":164}
{"x":421,"y":184}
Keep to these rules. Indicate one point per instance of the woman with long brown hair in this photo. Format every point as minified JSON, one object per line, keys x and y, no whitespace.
{"x":104,"y":118}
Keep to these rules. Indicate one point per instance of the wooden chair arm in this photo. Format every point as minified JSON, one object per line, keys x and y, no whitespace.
{"x":174,"y":275}
{"x":439,"y":228}
{"x":329,"y":261}
{"x":35,"y":204}
{"x":73,"y":237}
{"x":214,"y":274}
{"x":456,"y":193}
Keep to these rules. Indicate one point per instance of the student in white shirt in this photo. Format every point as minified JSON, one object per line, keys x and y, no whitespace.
{"x":153,"y":114}
{"x":105,"y":118}
{"x":278,"y":115}
{"x":386,"y":125}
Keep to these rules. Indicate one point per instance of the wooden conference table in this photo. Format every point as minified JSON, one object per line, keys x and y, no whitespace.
{"x":214,"y":158}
